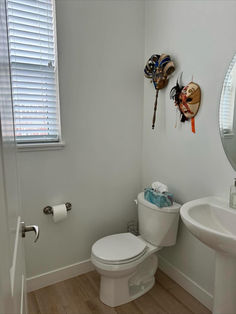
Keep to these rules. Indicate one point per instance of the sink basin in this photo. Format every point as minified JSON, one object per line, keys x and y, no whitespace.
{"x":213,"y":222}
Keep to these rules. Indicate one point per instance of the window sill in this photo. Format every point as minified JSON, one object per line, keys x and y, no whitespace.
{"x":228,"y":135}
{"x":40,"y":146}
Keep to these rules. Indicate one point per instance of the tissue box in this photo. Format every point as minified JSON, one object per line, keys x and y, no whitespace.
{"x":159,"y":199}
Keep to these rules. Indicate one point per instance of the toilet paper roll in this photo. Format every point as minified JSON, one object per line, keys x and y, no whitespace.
{"x":59,"y":212}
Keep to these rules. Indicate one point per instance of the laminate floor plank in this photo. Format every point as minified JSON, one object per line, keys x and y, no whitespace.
{"x":167,"y":301}
{"x":148,"y":305}
{"x":97,"y":307}
{"x":128,"y":308}
{"x":80,"y":295}
{"x":33,"y":304}
{"x":70,"y":297}
{"x":94,"y":279}
{"x":190,"y":302}
{"x":180,"y":294}
{"x":49,"y":301}
{"x":86,"y":290}
{"x":165,"y":281}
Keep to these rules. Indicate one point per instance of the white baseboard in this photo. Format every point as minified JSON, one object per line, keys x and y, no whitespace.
{"x":187,"y":283}
{"x":57,"y":275}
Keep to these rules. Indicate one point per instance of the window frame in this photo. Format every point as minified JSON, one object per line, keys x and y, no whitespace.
{"x":230,"y":131}
{"x":46,"y":145}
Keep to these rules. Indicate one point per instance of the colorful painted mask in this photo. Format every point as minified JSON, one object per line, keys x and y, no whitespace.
{"x":158,"y":69}
{"x":188,"y":99}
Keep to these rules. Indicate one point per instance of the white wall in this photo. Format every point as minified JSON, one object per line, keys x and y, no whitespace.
{"x":101,"y":51}
{"x":200,"y":36}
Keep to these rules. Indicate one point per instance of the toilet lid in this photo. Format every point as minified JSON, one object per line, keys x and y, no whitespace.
{"x":118,"y":247}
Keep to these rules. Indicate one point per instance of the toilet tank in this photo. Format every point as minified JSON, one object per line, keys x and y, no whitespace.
{"x":158,"y":226}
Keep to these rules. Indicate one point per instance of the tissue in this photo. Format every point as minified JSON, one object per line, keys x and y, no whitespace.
{"x":159,"y":187}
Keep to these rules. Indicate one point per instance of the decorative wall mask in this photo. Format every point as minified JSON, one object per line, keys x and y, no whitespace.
{"x":158,"y":69}
{"x":187,"y":99}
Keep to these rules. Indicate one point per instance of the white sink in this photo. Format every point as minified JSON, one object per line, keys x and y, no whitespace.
{"x":212,"y":221}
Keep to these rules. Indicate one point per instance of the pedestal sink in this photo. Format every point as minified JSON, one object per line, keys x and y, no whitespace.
{"x":212,"y":221}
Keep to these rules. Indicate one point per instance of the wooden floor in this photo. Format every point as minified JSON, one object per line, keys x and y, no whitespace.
{"x":80,"y":295}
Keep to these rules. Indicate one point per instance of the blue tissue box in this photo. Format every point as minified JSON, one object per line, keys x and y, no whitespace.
{"x":159,"y":199}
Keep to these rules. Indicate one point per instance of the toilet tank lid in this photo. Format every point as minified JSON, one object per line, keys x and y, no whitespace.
{"x":175,"y":208}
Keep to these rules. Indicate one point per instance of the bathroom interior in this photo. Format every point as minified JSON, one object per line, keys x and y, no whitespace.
{"x":79,"y":187}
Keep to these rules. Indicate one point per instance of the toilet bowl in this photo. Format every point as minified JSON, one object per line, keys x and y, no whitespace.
{"x":127,"y":263}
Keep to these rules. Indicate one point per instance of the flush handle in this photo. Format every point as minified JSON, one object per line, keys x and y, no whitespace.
{"x":30,"y":228}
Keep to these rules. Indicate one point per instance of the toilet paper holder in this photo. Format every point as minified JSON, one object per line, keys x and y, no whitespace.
{"x":48,"y":209}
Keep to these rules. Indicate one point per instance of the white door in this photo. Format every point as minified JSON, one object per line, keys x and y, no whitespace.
{"x":12,"y":264}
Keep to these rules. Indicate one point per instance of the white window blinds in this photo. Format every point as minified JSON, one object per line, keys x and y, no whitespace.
{"x":32,"y":47}
{"x":227,"y":100}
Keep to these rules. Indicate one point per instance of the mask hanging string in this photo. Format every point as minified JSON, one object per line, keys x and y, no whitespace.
{"x":193,"y":125}
{"x":176,"y":117}
{"x":155,"y":109}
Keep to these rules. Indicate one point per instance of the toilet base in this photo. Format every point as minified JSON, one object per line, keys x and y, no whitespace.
{"x":118,"y":290}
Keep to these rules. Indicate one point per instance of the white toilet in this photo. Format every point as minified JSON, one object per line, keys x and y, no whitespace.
{"x":126,"y":263}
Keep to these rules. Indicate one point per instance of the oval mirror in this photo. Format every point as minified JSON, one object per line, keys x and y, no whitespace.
{"x":227,"y":114}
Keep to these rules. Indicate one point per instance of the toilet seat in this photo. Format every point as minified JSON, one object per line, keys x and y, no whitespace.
{"x":118,"y":249}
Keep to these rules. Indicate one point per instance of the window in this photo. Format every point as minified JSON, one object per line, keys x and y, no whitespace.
{"x":227,"y":106}
{"x":33,"y":63}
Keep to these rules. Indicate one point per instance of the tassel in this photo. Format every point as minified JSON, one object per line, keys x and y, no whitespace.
{"x":193,"y":125}
{"x":155,"y":109}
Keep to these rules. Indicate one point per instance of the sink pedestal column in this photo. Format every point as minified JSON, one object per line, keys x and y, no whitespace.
{"x":225,"y":284}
